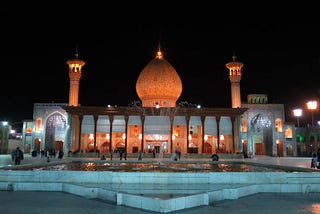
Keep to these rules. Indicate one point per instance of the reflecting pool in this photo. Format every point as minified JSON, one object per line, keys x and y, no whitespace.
{"x":161,"y":167}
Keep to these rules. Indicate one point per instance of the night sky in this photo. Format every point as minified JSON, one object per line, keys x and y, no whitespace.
{"x":279,"y":48}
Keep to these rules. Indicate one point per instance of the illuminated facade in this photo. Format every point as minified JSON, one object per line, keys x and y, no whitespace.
{"x":157,"y":122}
{"x":264,"y":131}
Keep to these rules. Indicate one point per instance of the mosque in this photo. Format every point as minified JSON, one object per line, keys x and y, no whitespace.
{"x":158,"y":123}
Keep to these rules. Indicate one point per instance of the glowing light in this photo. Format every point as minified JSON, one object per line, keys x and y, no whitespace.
{"x":159,"y":54}
{"x":297,"y":112}
{"x":312,"y":105}
{"x":123,"y":136}
{"x":190,"y":137}
{"x":108,"y":136}
{"x":205,"y":137}
{"x":91,"y":136}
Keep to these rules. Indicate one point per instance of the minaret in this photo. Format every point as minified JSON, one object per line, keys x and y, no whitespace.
{"x":75,"y":69}
{"x":235,"y":77}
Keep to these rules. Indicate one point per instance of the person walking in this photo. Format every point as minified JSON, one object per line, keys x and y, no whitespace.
{"x":18,"y":156}
{"x":314,"y":159}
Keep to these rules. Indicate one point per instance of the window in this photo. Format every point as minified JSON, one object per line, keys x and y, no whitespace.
{"x":278,"y":125}
{"x":38,"y":123}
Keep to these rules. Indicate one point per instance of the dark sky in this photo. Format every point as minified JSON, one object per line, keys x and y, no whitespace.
{"x":278,"y":46}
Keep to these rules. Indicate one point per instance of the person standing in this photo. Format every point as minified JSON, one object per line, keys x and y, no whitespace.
{"x":318,"y":162}
{"x":111,"y":154}
{"x":140,"y":155}
{"x":174,"y":156}
{"x":18,"y":156}
{"x":12,"y":155}
{"x":48,"y":156}
{"x":153,"y":153}
{"x":314,"y":159}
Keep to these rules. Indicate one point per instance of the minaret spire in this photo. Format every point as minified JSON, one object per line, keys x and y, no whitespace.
{"x":235,"y":77}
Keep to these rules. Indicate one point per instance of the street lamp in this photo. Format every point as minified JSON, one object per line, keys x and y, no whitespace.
{"x":297,"y":113}
{"x":312,"y":105}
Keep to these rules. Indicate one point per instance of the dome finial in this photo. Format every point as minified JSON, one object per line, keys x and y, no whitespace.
{"x":76,"y":53}
{"x":159,"y":52}
{"x":234,"y":58}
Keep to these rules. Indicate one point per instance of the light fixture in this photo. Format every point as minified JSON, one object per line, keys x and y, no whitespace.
{"x":297,"y":113}
{"x":312,"y":105}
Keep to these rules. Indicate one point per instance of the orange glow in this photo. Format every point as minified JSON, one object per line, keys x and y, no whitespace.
{"x":28,"y":130}
{"x":159,"y":54}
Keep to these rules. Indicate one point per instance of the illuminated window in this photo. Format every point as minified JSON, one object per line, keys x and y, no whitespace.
{"x":28,"y":130}
{"x":288,"y":133}
{"x":38,"y":124}
{"x":244,"y":125}
{"x":278,"y":125}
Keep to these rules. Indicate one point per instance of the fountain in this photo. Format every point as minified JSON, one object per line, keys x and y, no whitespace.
{"x":161,"y":191}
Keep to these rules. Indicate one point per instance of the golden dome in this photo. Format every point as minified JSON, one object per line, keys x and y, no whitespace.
{"x":159,"y":83}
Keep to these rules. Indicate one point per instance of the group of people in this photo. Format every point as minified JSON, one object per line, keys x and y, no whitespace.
{"x":315,"y":160}
{"x":17,"y":156}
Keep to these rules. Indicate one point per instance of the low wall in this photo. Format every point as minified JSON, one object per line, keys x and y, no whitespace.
{"x":102,"y":177}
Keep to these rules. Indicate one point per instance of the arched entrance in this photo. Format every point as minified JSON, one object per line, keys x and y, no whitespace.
{"x":207,"y":148}
{"x":193,"y":148}
{"x":55,"y":129}
{"x":58,"y":145}
{"x":120,"y":147}
{"x":104,"y":148}
{"x":37,"y":144}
